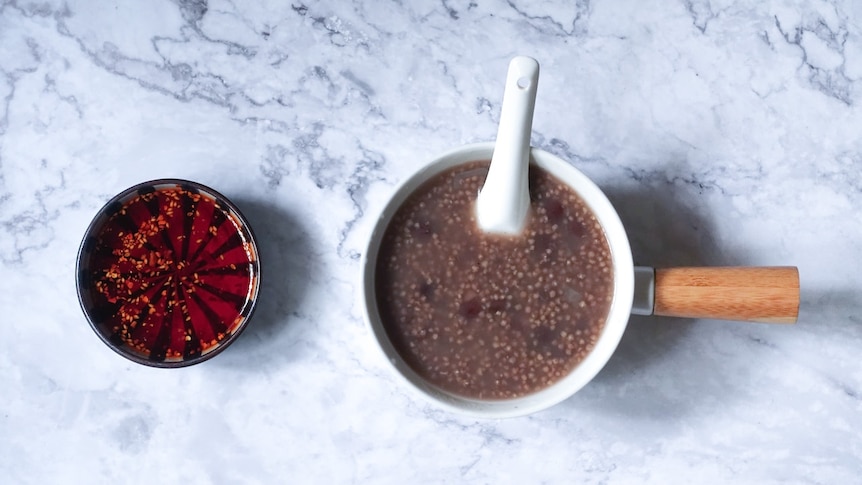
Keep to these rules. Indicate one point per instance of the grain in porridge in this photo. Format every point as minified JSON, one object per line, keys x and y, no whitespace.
{"x":487,"y":316}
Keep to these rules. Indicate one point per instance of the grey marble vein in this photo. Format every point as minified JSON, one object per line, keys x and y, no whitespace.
{"x":724,"y":132}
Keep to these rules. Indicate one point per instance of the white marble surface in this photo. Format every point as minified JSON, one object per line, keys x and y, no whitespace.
{"x":724,"y":132}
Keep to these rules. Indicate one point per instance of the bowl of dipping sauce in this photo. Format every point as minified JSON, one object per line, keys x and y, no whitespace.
{"x":497,"y":326}
{"x":168,"y":273}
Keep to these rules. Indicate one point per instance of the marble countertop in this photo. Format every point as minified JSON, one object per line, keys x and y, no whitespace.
{"x":725,"y":133}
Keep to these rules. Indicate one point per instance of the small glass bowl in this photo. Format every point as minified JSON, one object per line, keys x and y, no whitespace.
{"x":168,"y":273}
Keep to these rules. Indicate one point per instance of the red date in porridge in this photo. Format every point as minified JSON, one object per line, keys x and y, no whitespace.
{"x":487,"y":316}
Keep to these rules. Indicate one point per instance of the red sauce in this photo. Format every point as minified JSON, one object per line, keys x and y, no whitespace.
{"x":172,"y":274}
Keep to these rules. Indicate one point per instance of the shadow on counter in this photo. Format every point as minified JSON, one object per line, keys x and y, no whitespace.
{"x":286,"y":260}
{"x":836,"y":310}
{"x":664,"y":231}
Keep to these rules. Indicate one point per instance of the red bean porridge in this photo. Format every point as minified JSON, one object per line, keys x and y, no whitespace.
{"x":487,"y":316}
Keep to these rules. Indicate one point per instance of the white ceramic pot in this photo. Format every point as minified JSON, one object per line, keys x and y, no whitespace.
{"x":615,"y":323}
{"x":746,"y":294}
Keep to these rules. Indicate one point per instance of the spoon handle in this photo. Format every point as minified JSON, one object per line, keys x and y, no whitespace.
{"x":754,"y":294}
{"x":504,"y":199}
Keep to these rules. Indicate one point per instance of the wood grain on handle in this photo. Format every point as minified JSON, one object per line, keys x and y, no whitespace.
{"x":755,"y":294}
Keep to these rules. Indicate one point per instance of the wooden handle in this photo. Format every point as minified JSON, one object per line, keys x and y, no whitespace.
{"x":754,"y":294}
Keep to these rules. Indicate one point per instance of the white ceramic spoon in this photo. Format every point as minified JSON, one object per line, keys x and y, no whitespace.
{"x":504,"y":200}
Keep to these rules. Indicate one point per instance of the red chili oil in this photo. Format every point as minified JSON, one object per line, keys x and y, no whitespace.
{"x":172,"y":272}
